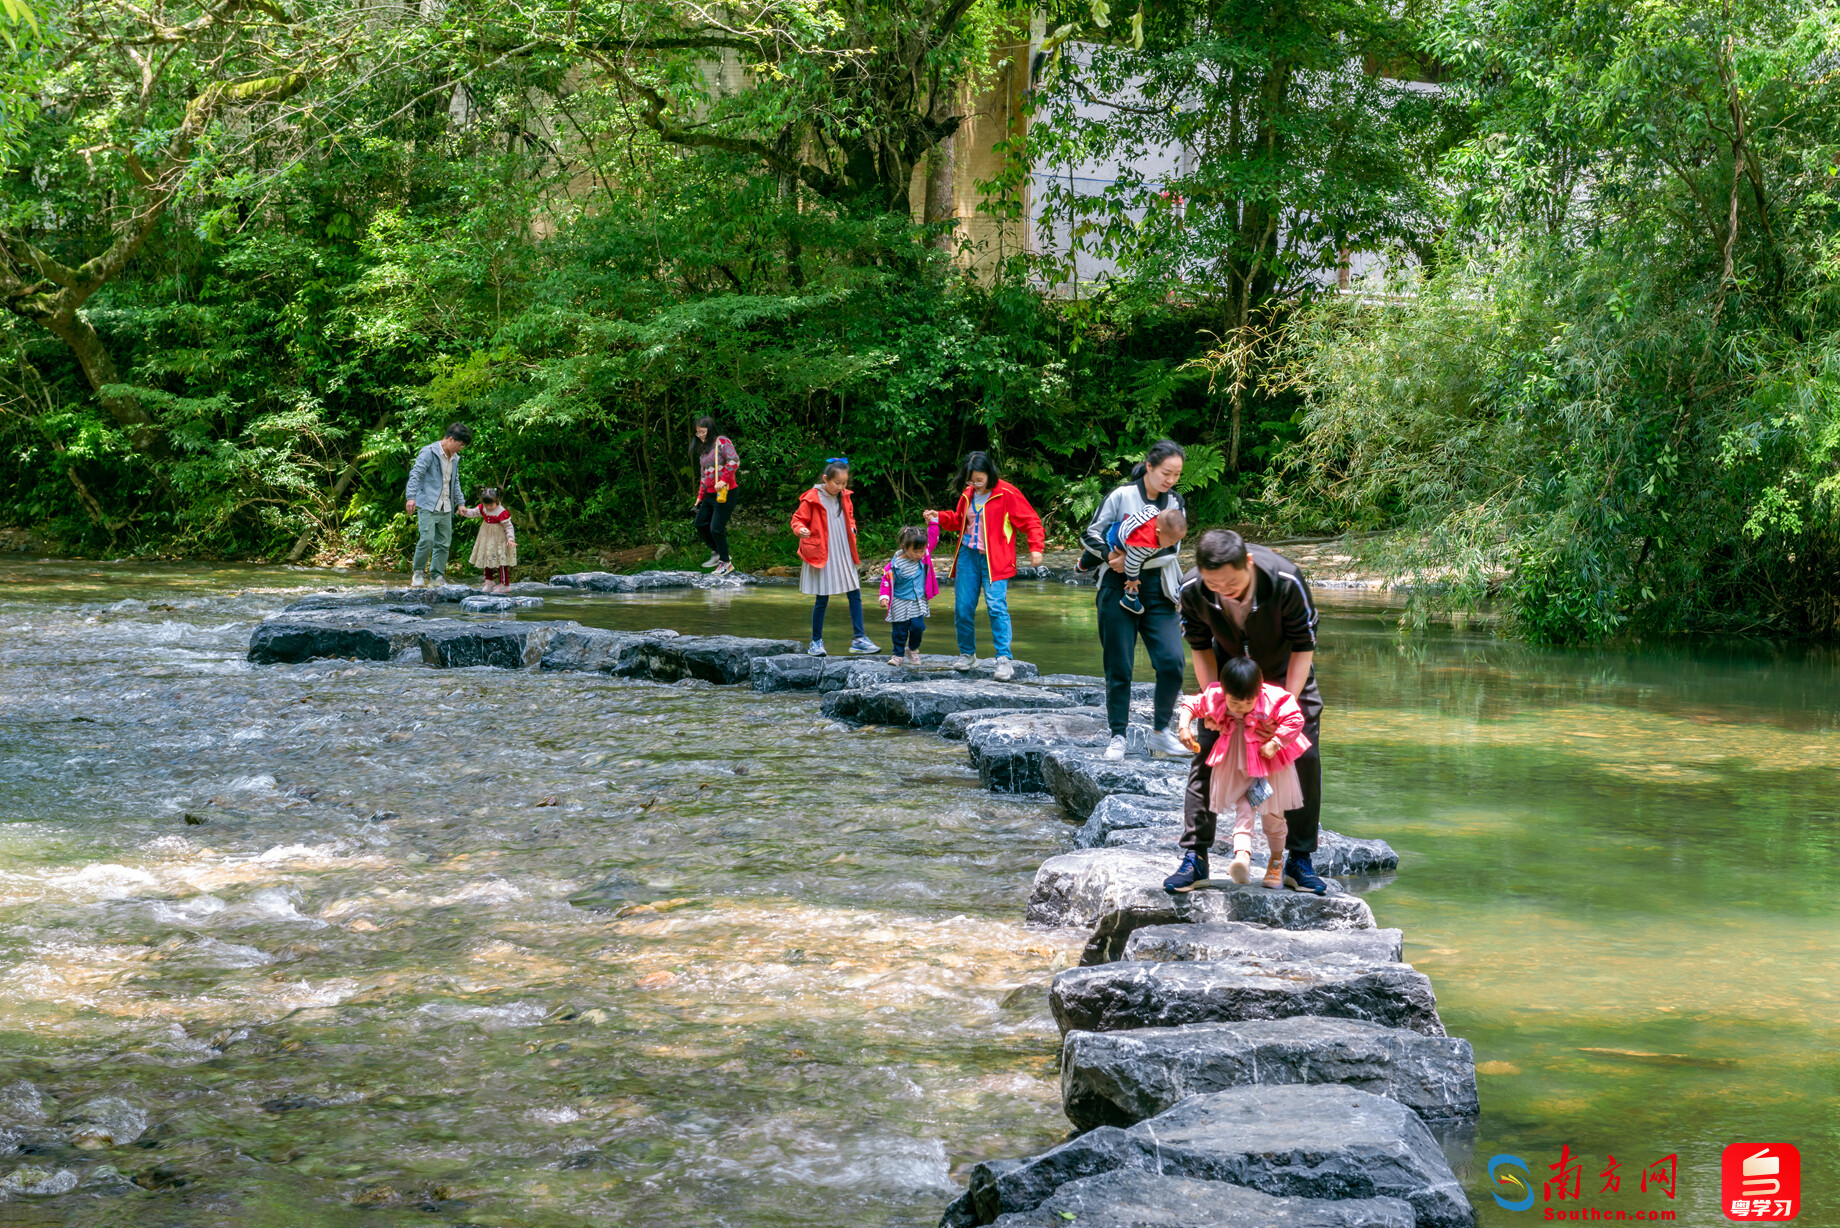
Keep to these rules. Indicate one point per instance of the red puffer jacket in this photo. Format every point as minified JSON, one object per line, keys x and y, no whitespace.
{"x":1007,"y":511}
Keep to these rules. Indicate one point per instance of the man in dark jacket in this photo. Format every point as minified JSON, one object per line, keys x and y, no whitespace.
{"x":1247,"y":600}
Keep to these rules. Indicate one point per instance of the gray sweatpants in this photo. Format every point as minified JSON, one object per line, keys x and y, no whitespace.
{"x":434,"y":536}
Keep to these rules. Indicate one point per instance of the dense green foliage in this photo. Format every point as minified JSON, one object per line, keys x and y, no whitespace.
{"x":256,"y":253}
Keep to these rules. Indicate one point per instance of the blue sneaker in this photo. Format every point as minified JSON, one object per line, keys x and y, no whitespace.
{"x":1300,"y":875}
{"x":1193,"y":869}
{"x":816,"y":649}
{"x":862,"y":644}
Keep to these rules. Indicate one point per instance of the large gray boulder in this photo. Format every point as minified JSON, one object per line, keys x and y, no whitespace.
{"x":597,"y":650}
{"x":363,"y":635}
{"x":1120,"y":1078}
{"x":1152,"y":994}
{"x":1301,"y":1141}
{"x":1233,"y":939}
{"x":1129,"y":1198}
{"x":923,"y":705}
{"x":1007,"y":750}
{"x":793,"y":671}
{"x":1117,"y":891}
{"x":1080,"y":778}
{"x":452,"y":644}
{"x":1118,"y":813}
{"x":723,"y":659}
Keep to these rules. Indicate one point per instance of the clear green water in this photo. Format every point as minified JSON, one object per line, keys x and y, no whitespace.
{"x":1618,"y":868}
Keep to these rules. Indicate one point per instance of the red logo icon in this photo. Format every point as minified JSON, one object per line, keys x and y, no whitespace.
{"x":1761,"y":1183}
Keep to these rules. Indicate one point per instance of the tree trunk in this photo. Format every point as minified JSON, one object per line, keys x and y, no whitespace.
{"x":84,"y":342}
{"x":942,"y":187}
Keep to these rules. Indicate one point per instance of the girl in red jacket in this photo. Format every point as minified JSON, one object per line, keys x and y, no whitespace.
{"x":989,"y":515}
{"x":825,"y":523}
{"x":1253,"y":763}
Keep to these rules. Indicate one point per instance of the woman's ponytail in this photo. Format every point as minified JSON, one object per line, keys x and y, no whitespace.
{"x":1159,"y":452}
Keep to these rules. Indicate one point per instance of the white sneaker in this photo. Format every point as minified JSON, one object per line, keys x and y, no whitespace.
{"x":709,"y":562}
{"x":418,"y":580}
{"x":964,"y":661}
{"x":1006,"y":669}
{"x":1166,"y":743}
{"x":723,"y":569}
{"x":1115,"y":748}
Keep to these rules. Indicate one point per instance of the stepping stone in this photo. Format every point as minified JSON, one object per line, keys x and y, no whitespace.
{"x":1146,"y":1200}
{"x":1008,"y":750}
{"x":1120,"y":1078}
{"x":452,"y":644}
{"x":1080,"y":778}
{"x":798,"y":672}
{"x":1130,"y":812}
{"x":640,"y":582}
{"x":1313,"y":1141}
{"x":596,"y":650}
{"x":360,"y":634}
{"x":1233,"y":939}
{"x":492,"y":603}
{"x":722,"y":659}
{"x":923,"y":705}
{"x":1151,"y":994}
{"x":1116,"y":891}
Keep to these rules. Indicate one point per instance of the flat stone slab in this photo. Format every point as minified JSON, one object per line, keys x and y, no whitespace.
{"x":1120,"y":1078}
{"x":1117,"y":891}
{"x":597,"y":650}
{"x":1117,"y":813}
{"x":1313,"y":1141}
{"x":1007,"y":750}
{"x":798,"y":672}
{"x":1235,"y":939}
{"x":379,"y":635}
{"x":646,"y":581}
{"x":722,"y":659}
{"x":923,"y":705}
{"x":494,"y":603}
{"x":1152,"y":994}
{"x":1081,"y":778}
{"x":453,"y":644}
{"x":1128,"y":1197}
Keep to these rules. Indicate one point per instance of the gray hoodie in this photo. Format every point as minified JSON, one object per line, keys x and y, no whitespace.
{"x":1117,"y":508}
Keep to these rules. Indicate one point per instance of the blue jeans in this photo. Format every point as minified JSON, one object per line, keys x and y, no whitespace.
{"x":974,"y":578}
{"x":823,"y":603}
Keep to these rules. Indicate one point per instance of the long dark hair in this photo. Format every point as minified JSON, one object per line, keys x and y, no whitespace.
{"x":1159,"y":452}
{"x":700,"y":447}
{"x":978,"y":462}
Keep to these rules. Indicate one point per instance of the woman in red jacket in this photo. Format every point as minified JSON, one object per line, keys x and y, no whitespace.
{"x":825,"y":522}
{"x":990,"y":513}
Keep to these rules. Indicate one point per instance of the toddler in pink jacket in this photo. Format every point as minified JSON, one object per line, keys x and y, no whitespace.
{"x":1253,"y":761}
{"x":908,"y":582}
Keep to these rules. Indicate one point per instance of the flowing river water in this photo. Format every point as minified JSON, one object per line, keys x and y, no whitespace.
{"x":305,"y":931}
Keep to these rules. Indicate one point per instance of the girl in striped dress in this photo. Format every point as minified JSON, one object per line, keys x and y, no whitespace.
{"x":907,"y":582}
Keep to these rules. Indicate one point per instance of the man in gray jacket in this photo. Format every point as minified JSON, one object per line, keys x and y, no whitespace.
{"x":432,"y":496}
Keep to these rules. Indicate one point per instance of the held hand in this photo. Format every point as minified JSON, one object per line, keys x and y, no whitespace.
{"x":884,"y":602}
{"x":932,"y":517}
{"x":1270,"y":749}
{"x":1034,"y":558}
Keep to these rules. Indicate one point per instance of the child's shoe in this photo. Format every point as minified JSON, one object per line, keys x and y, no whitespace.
{"x":1088,"y":561}
{"x":816,"y":649}
{"x":912,"y":658}
{"x":1193,"y":869}
{"x":1300,"y":875}
{"x":1131,"y":604}
{"x":1274,"y":871}
{"x":1240,"y":871}
{"x":896,"y":659}
{"x":862,"y":644}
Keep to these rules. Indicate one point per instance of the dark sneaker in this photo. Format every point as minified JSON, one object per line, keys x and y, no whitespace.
{"x":1193,"y":869}
{"x":1300,"y":875}
{"x":1131,"y":604}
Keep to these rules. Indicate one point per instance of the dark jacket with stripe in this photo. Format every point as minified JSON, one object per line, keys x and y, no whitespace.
{"x":1281,"y":620}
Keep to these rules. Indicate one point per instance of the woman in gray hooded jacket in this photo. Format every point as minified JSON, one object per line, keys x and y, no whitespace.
{"x":1152,"y":485}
